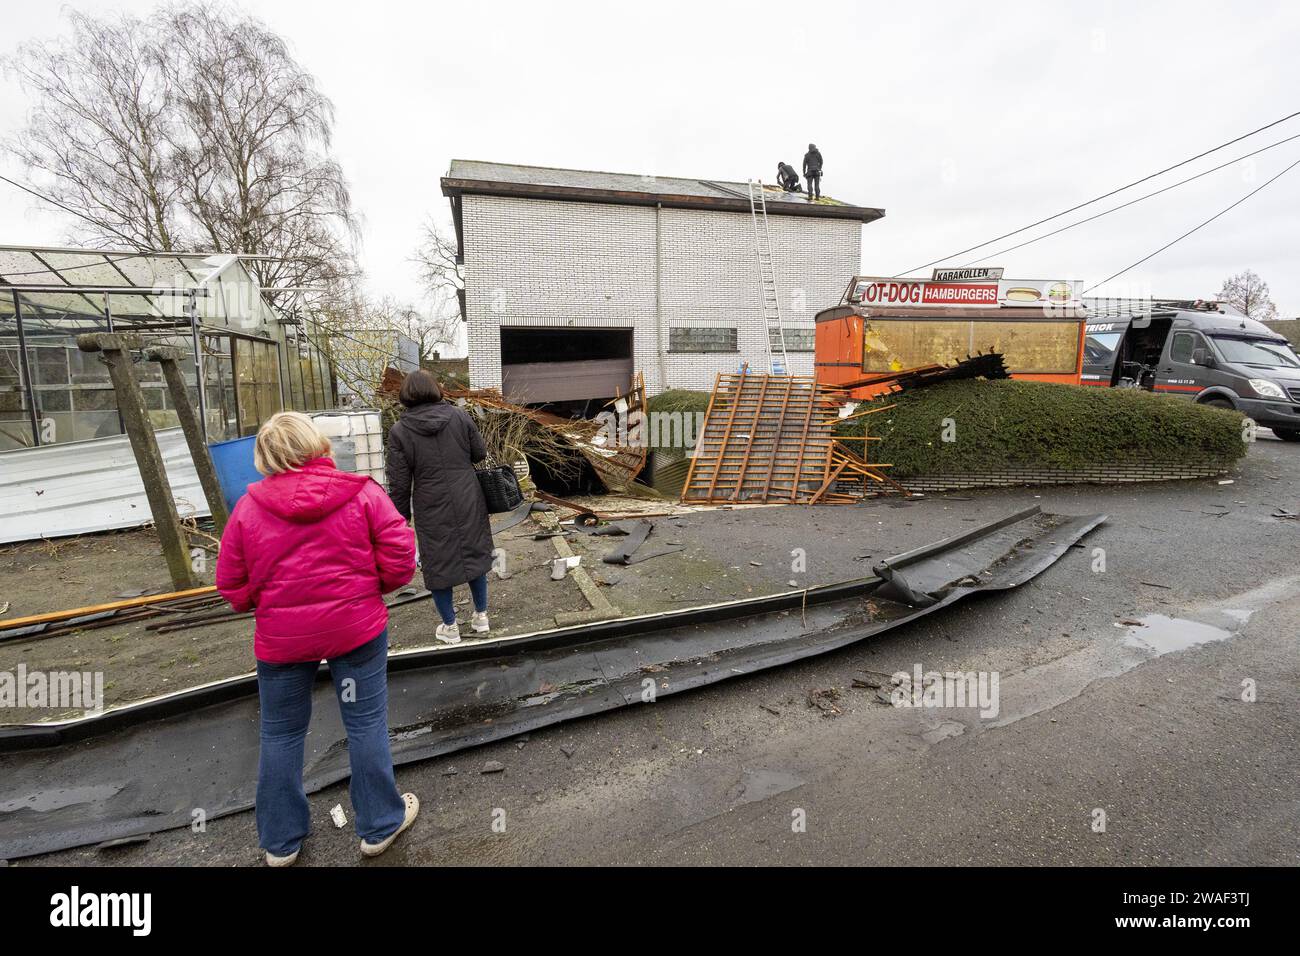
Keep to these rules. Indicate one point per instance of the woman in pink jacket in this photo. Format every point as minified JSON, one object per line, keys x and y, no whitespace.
{"x":311,"y":550}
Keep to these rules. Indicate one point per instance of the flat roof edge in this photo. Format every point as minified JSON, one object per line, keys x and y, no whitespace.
{"x":454,"y":187}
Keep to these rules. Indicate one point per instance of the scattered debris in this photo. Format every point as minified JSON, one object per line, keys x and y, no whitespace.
{"x":338,"y":816}
{"x":493,"y":766}
{"x":561,"y":566}
{"x":636,"y":533}
{"x":119,"y":612}
{"x":519,"y":514}
{"x":826,"y":700}
{"x":770,"y":709}
{"x":123,"y":841}
{"x":1278,"y":513}
{"x":990,"y":365}
{"x":562,"y":447}
{"x":569,"y":750}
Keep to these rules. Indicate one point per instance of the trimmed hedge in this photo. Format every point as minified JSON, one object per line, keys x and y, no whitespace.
{"x":1039,"y":424}
{"x":679,"y":400}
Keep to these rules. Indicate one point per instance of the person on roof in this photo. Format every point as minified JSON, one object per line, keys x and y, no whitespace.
{"x":812,"y":171}
{"x":788,"y":178}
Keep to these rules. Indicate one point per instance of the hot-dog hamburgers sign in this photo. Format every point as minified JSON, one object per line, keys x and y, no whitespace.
{"x":987,"y":294}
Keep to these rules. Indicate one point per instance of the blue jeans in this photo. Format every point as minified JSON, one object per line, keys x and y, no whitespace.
{"x":447,"y":608}
{"x":361,"y":683}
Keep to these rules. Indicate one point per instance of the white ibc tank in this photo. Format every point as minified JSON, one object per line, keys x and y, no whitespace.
{"x":358,"y":439}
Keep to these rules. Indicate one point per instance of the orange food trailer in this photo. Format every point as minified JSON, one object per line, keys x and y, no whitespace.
{"x":888,"y":325}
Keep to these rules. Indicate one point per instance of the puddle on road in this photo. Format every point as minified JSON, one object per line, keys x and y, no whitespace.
{"x":1045,"y":686}
{"x":755,"y":785}
{"x":1164,"y":635}
{"x":942,"y":731}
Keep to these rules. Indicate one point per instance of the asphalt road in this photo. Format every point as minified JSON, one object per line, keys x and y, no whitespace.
{"x":1145,"y":725}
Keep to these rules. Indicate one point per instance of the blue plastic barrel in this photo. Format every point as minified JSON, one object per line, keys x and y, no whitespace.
{"x":233,"y":461}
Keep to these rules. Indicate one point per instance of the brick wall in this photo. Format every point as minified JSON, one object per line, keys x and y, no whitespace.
{"x":1104,"y":474}
{"x":568,"y":264}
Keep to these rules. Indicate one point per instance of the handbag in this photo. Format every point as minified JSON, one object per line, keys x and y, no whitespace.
{"x":501,"y":488}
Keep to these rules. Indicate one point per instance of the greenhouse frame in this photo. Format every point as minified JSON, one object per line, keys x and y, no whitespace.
{"x":252,"y":358}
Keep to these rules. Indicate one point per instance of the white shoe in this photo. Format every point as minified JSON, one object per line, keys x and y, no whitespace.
{"x":448,"y":633}
{"x":287,"y":860}
{"x":479,"y":622}
{"x":412,"y":811}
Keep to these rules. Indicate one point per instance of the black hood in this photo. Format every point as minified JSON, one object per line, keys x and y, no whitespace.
{"x":428,"y":419}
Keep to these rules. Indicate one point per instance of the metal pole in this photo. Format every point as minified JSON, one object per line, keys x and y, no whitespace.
{"x":192,"y":307}
{"x":27,"y":372}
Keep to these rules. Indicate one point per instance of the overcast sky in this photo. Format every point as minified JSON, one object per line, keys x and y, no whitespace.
{"x":962,"y":121}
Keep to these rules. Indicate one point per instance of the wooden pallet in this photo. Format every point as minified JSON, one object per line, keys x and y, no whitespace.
{"x":766,"y":438}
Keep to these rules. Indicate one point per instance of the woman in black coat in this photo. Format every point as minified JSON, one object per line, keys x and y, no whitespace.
{"x":432,"y":451}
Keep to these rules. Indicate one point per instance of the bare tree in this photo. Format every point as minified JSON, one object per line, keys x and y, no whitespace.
{"x":429,"y":330}
{"x":254,"y":165}
{"x":434,"y":332}
{"x":436,"y":261}
{"x":101,"y":132}
{"x":1248,"y":294}
{"x":192,"y":129}
{"x":363,"y":337}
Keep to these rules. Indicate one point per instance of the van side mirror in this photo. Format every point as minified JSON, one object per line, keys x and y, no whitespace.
{"x":1202,"y":357}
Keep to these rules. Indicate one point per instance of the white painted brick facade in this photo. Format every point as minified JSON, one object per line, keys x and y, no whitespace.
{"x":570,"y":264}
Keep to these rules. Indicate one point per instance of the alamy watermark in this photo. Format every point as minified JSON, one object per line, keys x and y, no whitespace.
{"x":637,"y":429}
{"x":922,"y":688}
{"x":52,"y":690}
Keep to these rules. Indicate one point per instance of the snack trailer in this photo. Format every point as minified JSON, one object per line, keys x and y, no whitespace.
{"x":888,"y":325}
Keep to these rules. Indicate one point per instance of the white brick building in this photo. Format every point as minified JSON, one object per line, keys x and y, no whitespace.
{"x":573,"y":280}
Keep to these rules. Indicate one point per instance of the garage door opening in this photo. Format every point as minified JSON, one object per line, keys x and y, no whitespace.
{"x":571,"y":372}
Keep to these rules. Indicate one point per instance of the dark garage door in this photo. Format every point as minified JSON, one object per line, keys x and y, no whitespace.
{"x":561,"y":365}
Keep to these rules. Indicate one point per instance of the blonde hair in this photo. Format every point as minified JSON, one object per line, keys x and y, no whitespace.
{"x":287,"y":440}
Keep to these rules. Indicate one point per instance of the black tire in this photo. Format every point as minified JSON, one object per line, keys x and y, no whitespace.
{"x":1287,"y":434}
{"x":1220,"y":403}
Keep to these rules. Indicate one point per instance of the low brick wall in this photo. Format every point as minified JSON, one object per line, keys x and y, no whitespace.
{"x":1104,"y":474}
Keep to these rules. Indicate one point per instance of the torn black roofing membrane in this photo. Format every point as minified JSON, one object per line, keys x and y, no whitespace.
{"x":145,"y":767}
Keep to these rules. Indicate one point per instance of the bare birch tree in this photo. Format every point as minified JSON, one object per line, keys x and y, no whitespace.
{"x":101,"y":132}
{"x":192,"y":129}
